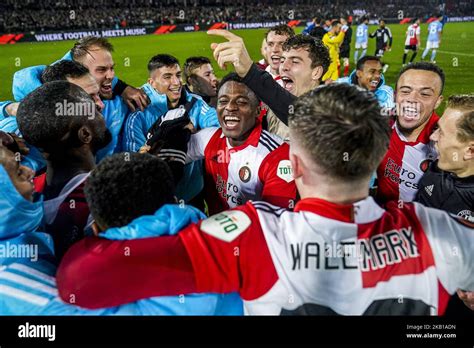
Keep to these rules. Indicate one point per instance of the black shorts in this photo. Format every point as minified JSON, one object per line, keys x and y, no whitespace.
{"x":379,"y":51}
{"x":344,"y":52}
{"x":411,"y":47}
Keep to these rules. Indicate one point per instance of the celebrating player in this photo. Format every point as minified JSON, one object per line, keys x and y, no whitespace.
{"x":336,"y":235}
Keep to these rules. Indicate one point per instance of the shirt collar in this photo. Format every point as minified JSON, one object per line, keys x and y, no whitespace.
{"x":360,"y":212}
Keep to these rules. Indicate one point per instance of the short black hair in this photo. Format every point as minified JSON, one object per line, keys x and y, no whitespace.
{"x":361,"y":62}
{"x":335,"y":22}
{"x":424,"y":66}
{"x":63,"y":70}
{"x":318,"y":52}
{"x":82,"y":47}
{"x":127,"y":185}
{"x":364,"y":18}
{"x":161,"y":60}
{"x":318,"y":20}
{"x":236,"y":78}
{"x":193,"y":63}
{"x":42,"y":119}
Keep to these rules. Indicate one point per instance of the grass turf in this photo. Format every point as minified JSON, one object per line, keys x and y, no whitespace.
{"x":455,"y":55}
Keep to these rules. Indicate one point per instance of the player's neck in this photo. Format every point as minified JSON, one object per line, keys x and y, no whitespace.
{"x":465,"y":172}
{"x":335,"y":192}
{"x":413,"y":134}
{"x":60,"y":171}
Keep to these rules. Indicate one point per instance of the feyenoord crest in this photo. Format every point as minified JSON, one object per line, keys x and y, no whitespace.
{"x":245,"y":174}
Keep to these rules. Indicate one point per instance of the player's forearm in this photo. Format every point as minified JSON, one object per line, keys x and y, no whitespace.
{"x":134,"y":269}
{"x":270,"y":92}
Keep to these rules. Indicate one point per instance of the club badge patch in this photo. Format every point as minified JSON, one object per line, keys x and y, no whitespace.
{"x":227,"y":225}
{"x":245,"y":174}
{"x":284,"y":171}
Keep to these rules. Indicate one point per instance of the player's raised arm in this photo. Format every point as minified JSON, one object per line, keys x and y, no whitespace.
{"x":233,"y":51}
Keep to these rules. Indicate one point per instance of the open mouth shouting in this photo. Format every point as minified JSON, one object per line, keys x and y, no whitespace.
{"x":288,"y":84}
{"x":276,"y":59}
{"x":410,"y":111}
{"x":106,"y":88}
{"x":231,"y":122}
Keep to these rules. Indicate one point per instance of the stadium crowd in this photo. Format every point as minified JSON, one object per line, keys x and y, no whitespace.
{"x":51,"y":15}
{"x":281,"y":189}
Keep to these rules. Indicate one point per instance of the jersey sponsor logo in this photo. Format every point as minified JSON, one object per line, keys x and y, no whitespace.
{"x":284,"y":171}
{"x":429,"y":190}
{"x":226,"y":226}
{"x":229,"y":191}
{"x":394,"y":172}
{"x":245,"y":174}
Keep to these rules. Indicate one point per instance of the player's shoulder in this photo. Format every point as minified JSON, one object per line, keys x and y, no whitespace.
{"x":270,"y":142}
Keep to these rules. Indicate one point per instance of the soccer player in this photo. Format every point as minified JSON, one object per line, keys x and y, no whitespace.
{"x":28,"y":284}
{"x":419,"y":90}
{"x":413,"y":40}
{"x":333,"y":40}
{"x":448,"y":184}
{"x":275,"y":38}
{"x":95,"y":53}
{"x":200,"y":79}
{"x":166,"y":92}
{"x":435,"y":29}
{"x":60,"y":119}
{"x":345,"y":49}
{"x":383,"y":41}
{"x":242,"y":161}
{"x":337,"y":252}
{"x":362,"y":38}
{"x":305,"y":61}
{"x":369,"y":75}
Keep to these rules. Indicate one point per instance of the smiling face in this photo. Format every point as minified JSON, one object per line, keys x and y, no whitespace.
{"x":296,"y":72}
{"x":237,"y":110}
{"x":454,"y":155}
{"x":204,"y":81}
{"x":21,"y":176}
{"x":101,"y":65}
{"x":418,"y":95}
{"x":370,"y":75}
{"x":274,"y":50}
{"x":167,"y":80}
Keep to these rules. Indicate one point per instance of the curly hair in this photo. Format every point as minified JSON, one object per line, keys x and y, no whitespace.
{"x":127,"y":185}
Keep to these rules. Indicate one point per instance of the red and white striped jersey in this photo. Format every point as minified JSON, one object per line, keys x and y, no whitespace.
{"x":324,"y":258}
{"x":412,"y":33}
{"x":259,"y":169}
{"x":405,"y":163}
{"x":320,"y":258}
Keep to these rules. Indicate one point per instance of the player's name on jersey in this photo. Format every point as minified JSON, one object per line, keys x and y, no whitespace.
{"x":368,"y":254}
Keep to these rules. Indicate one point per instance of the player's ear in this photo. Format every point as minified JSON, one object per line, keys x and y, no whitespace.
{"x":358,"y":74}
{"x":85,"y":134}
{"x":297,"y":166}
{"x":317,"y":73}
{"x":152,"y":83}
{"x":438,"y":102}
{"x":469,"y":152}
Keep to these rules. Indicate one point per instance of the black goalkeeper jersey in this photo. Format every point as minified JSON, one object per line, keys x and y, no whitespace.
{"x":383,"y":37}
{"x":445,"y":191}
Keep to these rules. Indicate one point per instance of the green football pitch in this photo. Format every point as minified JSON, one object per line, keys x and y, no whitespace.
{"x":455,"y":55}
